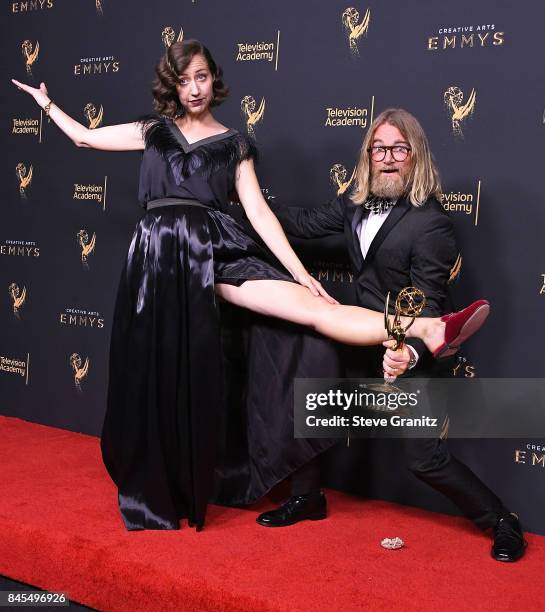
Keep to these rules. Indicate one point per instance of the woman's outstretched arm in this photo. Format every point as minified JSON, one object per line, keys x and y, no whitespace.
{"x":122,"y":137}
{"x":267,"y":226}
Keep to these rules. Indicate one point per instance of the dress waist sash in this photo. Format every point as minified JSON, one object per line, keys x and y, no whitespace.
{"x":174,"y":202}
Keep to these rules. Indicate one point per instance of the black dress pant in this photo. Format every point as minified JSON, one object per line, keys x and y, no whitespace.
{"x":429,"y":460}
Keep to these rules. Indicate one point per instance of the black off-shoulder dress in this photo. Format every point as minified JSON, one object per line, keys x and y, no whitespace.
{"x":166,"y":393}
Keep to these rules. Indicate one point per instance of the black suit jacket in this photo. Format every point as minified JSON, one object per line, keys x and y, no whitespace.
{"x":415,"y":246}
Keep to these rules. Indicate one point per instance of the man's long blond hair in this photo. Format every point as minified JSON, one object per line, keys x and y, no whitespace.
{"x":423,"y":178}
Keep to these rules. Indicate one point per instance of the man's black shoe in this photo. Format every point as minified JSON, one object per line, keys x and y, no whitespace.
{"x":310,"y":507}
{"x":509,"y":543}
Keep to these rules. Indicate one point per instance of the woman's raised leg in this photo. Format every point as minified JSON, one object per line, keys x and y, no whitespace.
{"x":346,"y":324}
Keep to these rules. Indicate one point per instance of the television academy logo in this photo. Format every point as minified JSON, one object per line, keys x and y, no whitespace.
{"x":13,"y":365}
{"x":92,"y":191}
{"x":80,"y":371}
{"x":27,"y":125}
{"x":18,"y":298}
{"x":94,"y":119}
{"x":458,"y":109}
{"x":542,"y":292}
{"x":87,"y":246}
{"x":251,"y":115}
{"x":25,"y":178}
{"x":350,"y":116}
{"x":467,"y":203}
{"x":338,"y":174}
{"x":354,"y":28}
{"x":259,"y":51}
{"x":168,"y":36}
{"x":30,"y":53}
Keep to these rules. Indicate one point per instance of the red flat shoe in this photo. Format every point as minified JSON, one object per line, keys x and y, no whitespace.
{"x":460,"y":326}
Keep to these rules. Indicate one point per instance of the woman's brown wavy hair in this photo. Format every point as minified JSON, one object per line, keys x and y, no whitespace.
{"x":173,"y":63}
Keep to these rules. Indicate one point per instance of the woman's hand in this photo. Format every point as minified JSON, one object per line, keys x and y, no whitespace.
{"x":314,"y":286}
{"x":40,"y":95}
{"x":121,"y":137}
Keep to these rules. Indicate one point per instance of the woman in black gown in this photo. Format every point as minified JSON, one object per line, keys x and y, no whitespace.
{"x":165,"y":395}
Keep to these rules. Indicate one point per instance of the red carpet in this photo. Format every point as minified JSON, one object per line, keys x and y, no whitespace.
{"x":60,"y":530}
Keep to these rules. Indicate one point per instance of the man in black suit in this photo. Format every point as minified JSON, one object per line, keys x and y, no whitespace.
{"x":397,"y":235}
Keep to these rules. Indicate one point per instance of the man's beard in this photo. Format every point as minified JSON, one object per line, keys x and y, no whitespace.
{"x":388,"y":186}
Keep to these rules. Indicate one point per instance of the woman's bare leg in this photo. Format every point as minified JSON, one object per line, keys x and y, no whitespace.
{"x":346,"y":324}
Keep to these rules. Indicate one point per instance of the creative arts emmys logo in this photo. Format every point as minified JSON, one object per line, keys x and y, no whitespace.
{"x":76,"y":317}
{"x":25,"y":178}
{"x":92,"y":66}
{"x":463,"y":369}
{"x":354,"y":28}
{"x":94,"y":119}
{"x":87,"y":246}
{"x":168,"y":36}
{"x":524,"y":457}
{"x":20,"y":248}
{"x":331,"y":272}
{"x":338,"y":174}
{"x":468,"y":37}
{"x":31,"y":5}
{"x":80,"y":371}
{"x":30,"y":53}
{"x":252,"y":116}
{"x":458,"y":109}
{"x":18,"y":298}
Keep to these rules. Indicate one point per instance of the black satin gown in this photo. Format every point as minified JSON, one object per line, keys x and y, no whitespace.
{"x":167,"y":402}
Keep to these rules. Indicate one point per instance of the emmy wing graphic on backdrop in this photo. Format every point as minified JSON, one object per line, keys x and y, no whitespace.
{"x":99,"y":5}
{"x":87,"y":246}
{"x":18,"y":298}
{"x":252,"y":116}
{"x":80,"y":372}
{"x":30,"y":54}
{"x":355,"y":30}
{"x":25,"y":178}
{"x":168,"y":36}
{"x":456,"y":269}
{"x":453,"y":98}
{"x":337,"y":174}
{"x":93,"y":119}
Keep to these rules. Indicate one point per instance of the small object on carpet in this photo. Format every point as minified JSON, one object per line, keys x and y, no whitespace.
{"x":392,"y":543}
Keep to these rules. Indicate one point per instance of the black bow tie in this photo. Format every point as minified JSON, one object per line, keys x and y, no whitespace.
{"x":378,"y":205}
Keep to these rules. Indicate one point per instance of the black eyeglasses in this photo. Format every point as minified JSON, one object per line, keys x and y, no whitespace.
{"x":398,"y":152}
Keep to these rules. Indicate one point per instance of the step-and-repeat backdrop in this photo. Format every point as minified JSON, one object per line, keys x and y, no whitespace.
{"x":306,"y":80}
